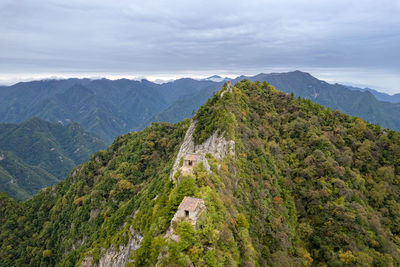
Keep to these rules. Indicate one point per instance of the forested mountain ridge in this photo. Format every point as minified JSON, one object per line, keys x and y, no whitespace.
{"x":336,"y":96}
{"x":305,"y":185}
{"x":395,"y":98}
{"x":35,"y":154}
{"x":354,"y":102}
{"x":110,"y":108}
{"x":104,"y":107}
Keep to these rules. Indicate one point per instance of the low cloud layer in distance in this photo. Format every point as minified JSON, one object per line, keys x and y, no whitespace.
{"x":340,"y":41}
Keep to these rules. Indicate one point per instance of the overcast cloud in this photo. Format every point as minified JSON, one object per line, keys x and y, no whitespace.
{"x":340,"y":40}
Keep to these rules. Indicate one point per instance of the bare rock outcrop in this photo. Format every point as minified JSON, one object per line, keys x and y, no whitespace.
{"x":228,"y":89}
{"x":115,"y":257}
{"x":216,"y":145}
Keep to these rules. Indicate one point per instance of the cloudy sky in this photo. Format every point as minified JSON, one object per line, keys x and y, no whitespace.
{"x":346,"y":41}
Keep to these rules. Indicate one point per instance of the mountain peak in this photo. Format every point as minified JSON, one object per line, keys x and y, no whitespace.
{"x":220,"y":112}
{"x":216,"y":78}
{"x":283,"y":181}
{"x":213,"y":77}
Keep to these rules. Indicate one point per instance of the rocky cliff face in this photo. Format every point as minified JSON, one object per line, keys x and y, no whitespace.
{"x":216,"y":145}
{"x":115,"y":257}
{"x":305,"y":186}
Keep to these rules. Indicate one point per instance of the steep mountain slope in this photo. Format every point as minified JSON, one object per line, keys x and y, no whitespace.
{"x":15,"y":99}
{"x":109,"y":108}
{"x":335,"y":96}
{"x":185,"y":106}
{"x":82,"y":105}
{"x":85,"y":211}
{"x":35,"y":154}
{"x":285,"y":182}
{"x":104,"y":107}
{"x":172,"y":91}
{"x":378,"y":95}
{"x":21,"y":180}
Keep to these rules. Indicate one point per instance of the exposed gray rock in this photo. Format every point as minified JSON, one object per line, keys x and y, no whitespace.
{"x":78,"y":243}
{"x":228,"y":89}
{"x":93,"y":213}
{"x":216,"y":145}
{"x":87,"y":261}
{"x":113,"y":257}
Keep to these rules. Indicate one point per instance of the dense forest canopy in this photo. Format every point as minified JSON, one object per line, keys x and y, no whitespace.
{"x":307,"y":186}
{"x":109,"y":108}
{"x":35,"y":154}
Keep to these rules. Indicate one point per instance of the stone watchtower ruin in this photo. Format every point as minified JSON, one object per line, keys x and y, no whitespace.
{"x":190,"y":209}
{"x":189,"y":161}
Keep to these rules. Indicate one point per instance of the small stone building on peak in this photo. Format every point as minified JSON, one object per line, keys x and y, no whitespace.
{"x":190,"y":209}
{"x":189,"y":161}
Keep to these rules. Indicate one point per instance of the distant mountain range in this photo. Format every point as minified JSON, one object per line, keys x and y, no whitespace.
{"x":217,"y":78}
{"x":355,"y":101}
{"x":336,"y":96}
{"x":35,"y":154}
{"x":109,"y":108}
{"x":104,"y":107}
{"x":274,"y":181}
{"x":378,"y":95}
